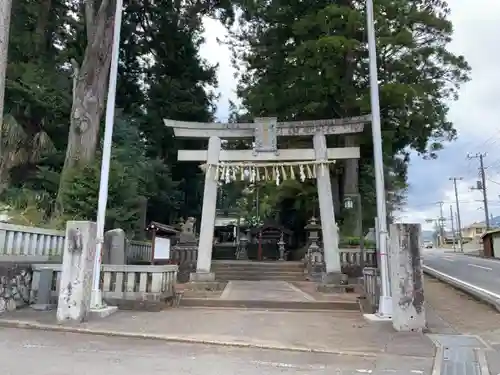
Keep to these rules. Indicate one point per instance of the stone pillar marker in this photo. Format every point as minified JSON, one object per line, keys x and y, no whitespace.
{"x":77,"y":271}
{"x":208,"y":214}
{"x":114,"y":247}
{"x":327,"y":213}
{"x":407,"y":282}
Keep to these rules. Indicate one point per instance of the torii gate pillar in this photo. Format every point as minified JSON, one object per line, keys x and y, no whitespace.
{"x":208,"y":211}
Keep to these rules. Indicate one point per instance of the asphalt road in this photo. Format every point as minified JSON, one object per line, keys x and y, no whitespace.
{"x":55,"y":353}
{"x":480,"y":272}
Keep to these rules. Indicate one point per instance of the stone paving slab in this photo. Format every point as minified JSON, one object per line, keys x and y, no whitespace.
{"x":53,"y":353}
{"x":265,"y":290}
{"x":332,"y":332}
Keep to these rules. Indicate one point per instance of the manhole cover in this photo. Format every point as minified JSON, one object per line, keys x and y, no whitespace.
{"x":463,"y":341}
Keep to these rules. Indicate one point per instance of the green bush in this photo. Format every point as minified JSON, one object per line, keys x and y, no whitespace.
{"x":354,"y":242}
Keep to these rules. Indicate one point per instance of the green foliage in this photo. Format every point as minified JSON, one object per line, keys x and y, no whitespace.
{"x":355,"y":242}
{"x":80,"y":199}
{"x":44,"y":36}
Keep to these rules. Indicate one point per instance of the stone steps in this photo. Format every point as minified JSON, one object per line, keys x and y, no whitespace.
{"x":249,"y":270}
{"x":270,"y":305}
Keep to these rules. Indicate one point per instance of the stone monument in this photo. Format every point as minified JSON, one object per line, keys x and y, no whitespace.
{"x":75,"y":287}
{"x":114,"y":247}
{"x":267,"y":162}
{"x":407,"y":283}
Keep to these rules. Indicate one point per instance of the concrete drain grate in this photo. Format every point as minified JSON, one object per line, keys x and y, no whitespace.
{"x":460,"y":361}
{"x":460,"y":355}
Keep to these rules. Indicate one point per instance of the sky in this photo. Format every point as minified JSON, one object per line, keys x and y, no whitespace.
{"x":476,"y":116}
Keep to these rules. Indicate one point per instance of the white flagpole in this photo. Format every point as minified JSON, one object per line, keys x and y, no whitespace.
{"x":385,"y":303}
{"x":96,"y":301}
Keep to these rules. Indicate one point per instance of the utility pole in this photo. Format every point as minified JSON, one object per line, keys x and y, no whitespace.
{"x":452,"y":226}
{"x":5,"y":11}
{"x":459,"y":222}
{"x":481,"y":185}
{"x":441,"y":224}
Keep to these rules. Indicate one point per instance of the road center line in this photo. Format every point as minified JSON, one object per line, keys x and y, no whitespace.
{"x":484,"y":268}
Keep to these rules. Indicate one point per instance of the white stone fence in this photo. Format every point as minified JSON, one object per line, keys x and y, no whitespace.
{"x":353,"y":257}
{"x":348,"y":257}
{"x":19,"y":243}
{"x":119,"y":282}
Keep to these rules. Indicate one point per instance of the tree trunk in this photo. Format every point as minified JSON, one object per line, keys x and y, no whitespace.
{"x":5,"y":11}
{"x":41,"y":26}
{"x":90,"y":82}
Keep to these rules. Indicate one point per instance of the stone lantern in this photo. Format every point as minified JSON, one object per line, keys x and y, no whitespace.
{"x":315,"y":262}
{"x":242,"y":253}
{"x":281,"y":247}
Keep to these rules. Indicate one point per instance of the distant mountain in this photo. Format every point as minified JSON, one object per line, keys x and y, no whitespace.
{"x":494,"y":222}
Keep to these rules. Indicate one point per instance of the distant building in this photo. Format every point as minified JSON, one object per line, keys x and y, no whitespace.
{"x":474,"y":231}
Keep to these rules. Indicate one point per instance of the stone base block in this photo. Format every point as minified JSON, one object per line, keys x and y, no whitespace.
{"x":377,"y":318}
{"x":335,"y":288}
{"x":205,"y":285}
{"x":202,"y":276}
{"x":335,"y":278}
{"x":103,"y":312}
{"x":43,"y":306}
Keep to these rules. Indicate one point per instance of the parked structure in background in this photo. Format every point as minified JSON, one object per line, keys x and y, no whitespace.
{"x":491,"y":244}
{"x":474,"y":231}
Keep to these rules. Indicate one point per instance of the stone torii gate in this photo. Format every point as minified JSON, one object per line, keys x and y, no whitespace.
{"x":267,"y":159}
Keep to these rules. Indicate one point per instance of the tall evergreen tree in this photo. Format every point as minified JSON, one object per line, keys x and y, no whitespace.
{"x":308,"y":60}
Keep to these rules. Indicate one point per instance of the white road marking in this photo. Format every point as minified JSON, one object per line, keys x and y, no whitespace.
{"x":484,"y":268}
{"x":449,"y":259}
{"x":30,"y":346}
{"x":364,"y":371}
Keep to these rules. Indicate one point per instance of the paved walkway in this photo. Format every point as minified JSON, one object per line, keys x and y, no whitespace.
{"x":331,"y":331}
{"x":264,"y":291}
{"x":52,"y":353}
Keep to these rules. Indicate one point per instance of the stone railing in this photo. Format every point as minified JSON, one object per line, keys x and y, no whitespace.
{"x":19,"y":243}
{"x":118,"y":282}
{"x":371,"y":290}
{"x":141,"y":251}
{"x":352,"y":257}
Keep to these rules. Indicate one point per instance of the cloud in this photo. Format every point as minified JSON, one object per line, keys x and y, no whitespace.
{"x":476,"y":115}
{"x":218,"y":53}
